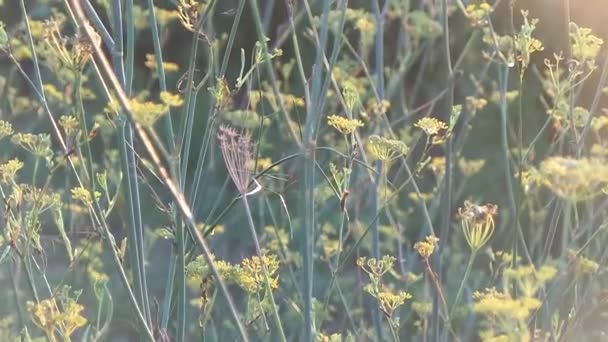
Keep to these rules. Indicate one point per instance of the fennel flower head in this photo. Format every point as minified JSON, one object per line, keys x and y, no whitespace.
{"x":237,"y":150}
{"x":477,"y":223}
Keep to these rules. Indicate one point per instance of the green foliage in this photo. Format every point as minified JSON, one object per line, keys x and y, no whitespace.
{"x":312,"y":171}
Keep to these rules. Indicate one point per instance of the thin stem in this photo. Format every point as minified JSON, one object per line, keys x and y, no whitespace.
{"x":463,"y":281}
{"x":179,"y":198}
{"x":258,"y":250}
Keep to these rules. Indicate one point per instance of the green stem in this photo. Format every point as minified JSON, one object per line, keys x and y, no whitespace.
{"x":463,"y":282}
{"x":254,"y":236}
{"x":393,"y":330}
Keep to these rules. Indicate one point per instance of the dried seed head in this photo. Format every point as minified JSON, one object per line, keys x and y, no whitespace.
{"x":237,"y":150}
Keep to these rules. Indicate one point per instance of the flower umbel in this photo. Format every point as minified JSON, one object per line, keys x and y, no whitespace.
{"x":427,"y":247}
{"x":431,"y":126}
{"x":344,"y":125}
{"x":385,"y":149}
{"x":237,"y":150}
{"x":477,"y":223}
{"x":574,"y":179}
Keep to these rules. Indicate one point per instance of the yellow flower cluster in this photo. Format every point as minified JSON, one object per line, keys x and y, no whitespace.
{"x":248,"y":275}
{"x":426,"y":247}
{"x":170,"y":99}
{"x":344,"y":125}
{"x":506,"y":316}
{"x":529,"y":279}
{"x":470,"y":167}
{"x":48,"y":317}
{"x":374,"y":267}
{"x":585,"y":46}
{"x":150,"y":63}
{"x":73,"y":52}
{"x":69,"y":124}
{"x":431,"y":126}
{"x":38,"y":144}
{"x":494,"y":303}
{"x":189,"y":12}
{"x":478,"y":13}
{"x":385,"y":149}
{"x":84,"y":195}
{"x":582,"y":265}
{"x":388,"y":300}
{"x":6,"y":129}
{"x":146,"y":113}
{"x":574,"y":179}
{"x":9,"y":170}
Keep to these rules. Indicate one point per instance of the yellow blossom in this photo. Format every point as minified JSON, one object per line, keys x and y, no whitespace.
{"x":170,"y":99}
{"x":6,"y":129}
{"x":146,"y":113}
{"x":470,"y":167}
{"x":8,"y":170}
{"x":478,"y":13}
{"x":427,"y":247}
{"x":150,"y":63}
{"x":585,"y":46}
{"x":344,"y":125}
{"x":431,"y":126}
{"x":84,"y":195}
{"x":376,"y":267}
{"x":385,"y":149}
{"x":574,"y":179}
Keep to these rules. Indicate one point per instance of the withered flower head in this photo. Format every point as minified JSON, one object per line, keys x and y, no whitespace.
{"x":477,"y":223}
{"x":237,"y":150}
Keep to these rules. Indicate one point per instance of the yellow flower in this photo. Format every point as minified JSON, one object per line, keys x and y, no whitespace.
{"x":171,"y":100}
{"x":470,"y":167}
{"x":69,"y":124}
{"x":47,"y":316}
{"x":6,"y":129}
{"x":376,"y":268}
{"x":431,"y":126}
{"x":500,"y":304}
{"x":385,"y":149}
{"x":84,"y":195}
{"x":365,"y":25}
{"x":478,"y":13}
{"x":150,"y":63}
{"x":574,"y":179}
{"x":583,"y":265}
{"x":189,"y":12}
{"x":388,"y":300}
{"x":427,"y":247}
{"x":529,"y":279}
{"x":344,"y":125}
{"x":146,"y":113}
{"x":585,"y":46}
{"x":8,"y":170}
{"x":250,"y":274}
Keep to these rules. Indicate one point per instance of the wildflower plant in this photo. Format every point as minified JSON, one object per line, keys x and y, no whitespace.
{"x":388,"y":300}
{"x":343,"y":129}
